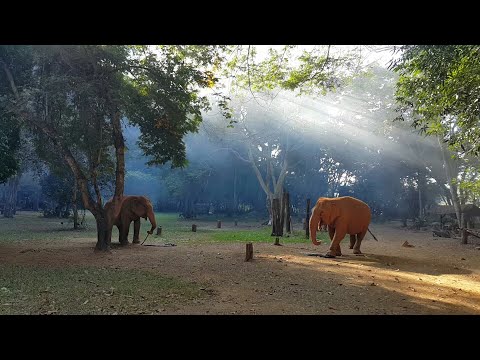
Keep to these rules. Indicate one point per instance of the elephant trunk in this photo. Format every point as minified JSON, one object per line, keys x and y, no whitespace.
{"x":151,"y":218}
{"x":314,"y":225}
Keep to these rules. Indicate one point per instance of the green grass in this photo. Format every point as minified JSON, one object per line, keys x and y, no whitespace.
{"x":87,"y":290}
{"x":261,"y":235}
{"x":29,"y":226}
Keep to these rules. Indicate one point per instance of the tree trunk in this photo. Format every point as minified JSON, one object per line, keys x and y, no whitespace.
{"x":453,"y":187}
{"x":104,"y":230}
{"x":235,"y":198}
{"x":282,"y":213}
{"x":287,"y":213}
{"x":35,"y":201}
{"x":74,"y":205}
{"x":276,"y":218}
{"x":464,"y":232}
{"x":11,"y":200}
{"x":421,"y":180}
{"x":270,"y":208}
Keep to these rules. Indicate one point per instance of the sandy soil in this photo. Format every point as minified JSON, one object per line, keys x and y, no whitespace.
{"x":436,"y":276}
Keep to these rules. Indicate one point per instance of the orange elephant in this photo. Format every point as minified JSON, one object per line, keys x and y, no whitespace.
{"x":131,"y":208}
{"x":343,"y":215}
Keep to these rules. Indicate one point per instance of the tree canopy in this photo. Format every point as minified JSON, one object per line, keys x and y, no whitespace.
{"x":439,"y":86}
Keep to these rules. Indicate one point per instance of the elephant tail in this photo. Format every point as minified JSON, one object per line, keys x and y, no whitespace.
{"x":372,"y":234}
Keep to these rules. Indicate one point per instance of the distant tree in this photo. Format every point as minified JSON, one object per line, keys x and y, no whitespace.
{"x":9,"y":144}
{"x":58,"y":191}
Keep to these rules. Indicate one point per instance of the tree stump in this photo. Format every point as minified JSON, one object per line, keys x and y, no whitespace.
{"x":194,"y":227}
{"x":249,"y":252}
{"x":219,"y":224}
{"x":159,"y":231}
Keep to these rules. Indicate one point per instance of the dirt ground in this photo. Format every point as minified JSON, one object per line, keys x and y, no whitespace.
{"x":436,"y":276}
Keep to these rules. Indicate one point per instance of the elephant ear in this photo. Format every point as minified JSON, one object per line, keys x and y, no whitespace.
{"x":140,"y":208}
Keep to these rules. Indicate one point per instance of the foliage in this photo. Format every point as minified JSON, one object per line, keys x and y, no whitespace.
{"x":316,"y":70}
{"x":439,"y":88}
{"x":9,"y":144}
{"x":58,"y":190}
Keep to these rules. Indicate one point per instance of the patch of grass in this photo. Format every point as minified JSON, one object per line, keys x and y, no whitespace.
{"x":261,"y":235}
{"x":88,"y":290}
{"x":31,"y":226}
{"x":27,"y":226}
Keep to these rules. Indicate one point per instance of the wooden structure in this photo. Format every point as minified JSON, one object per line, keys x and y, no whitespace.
{"x":307,"y":220}
{"x":249,"y":252}
{"x":159,"y":231}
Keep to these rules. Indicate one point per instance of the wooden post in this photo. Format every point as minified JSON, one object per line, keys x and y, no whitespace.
{"x":307,"y":220}
{"x":194,"y":227}
{"x":464,"y":232}
{"x":303,"y":223}
{"x":287,"y":213}
{"x":219,"y":224}
{"x":249,"y":252}
{"x":159,"y":231}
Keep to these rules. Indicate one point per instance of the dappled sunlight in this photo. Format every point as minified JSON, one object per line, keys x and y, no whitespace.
{"x":432,"y":291}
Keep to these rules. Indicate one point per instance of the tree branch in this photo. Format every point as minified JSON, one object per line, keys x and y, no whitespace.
{"x":258,"y":174}
{"x":56,"y":140}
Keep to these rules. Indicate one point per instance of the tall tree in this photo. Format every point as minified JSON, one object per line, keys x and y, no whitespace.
{"x":438,"y":90}
{"x":71,"y":94}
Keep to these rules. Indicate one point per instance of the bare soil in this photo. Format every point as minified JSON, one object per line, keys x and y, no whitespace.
{"x":435,"y":276}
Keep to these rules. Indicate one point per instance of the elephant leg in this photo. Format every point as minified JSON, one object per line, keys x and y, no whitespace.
{"x":124,"y":232}
{"x":136,"y":231}
{"x":353,"y":239}
{"x":335,"y":245}
{"x":356,"y":247}
{"x":120,"y":236}
{"x":331,"y":232}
